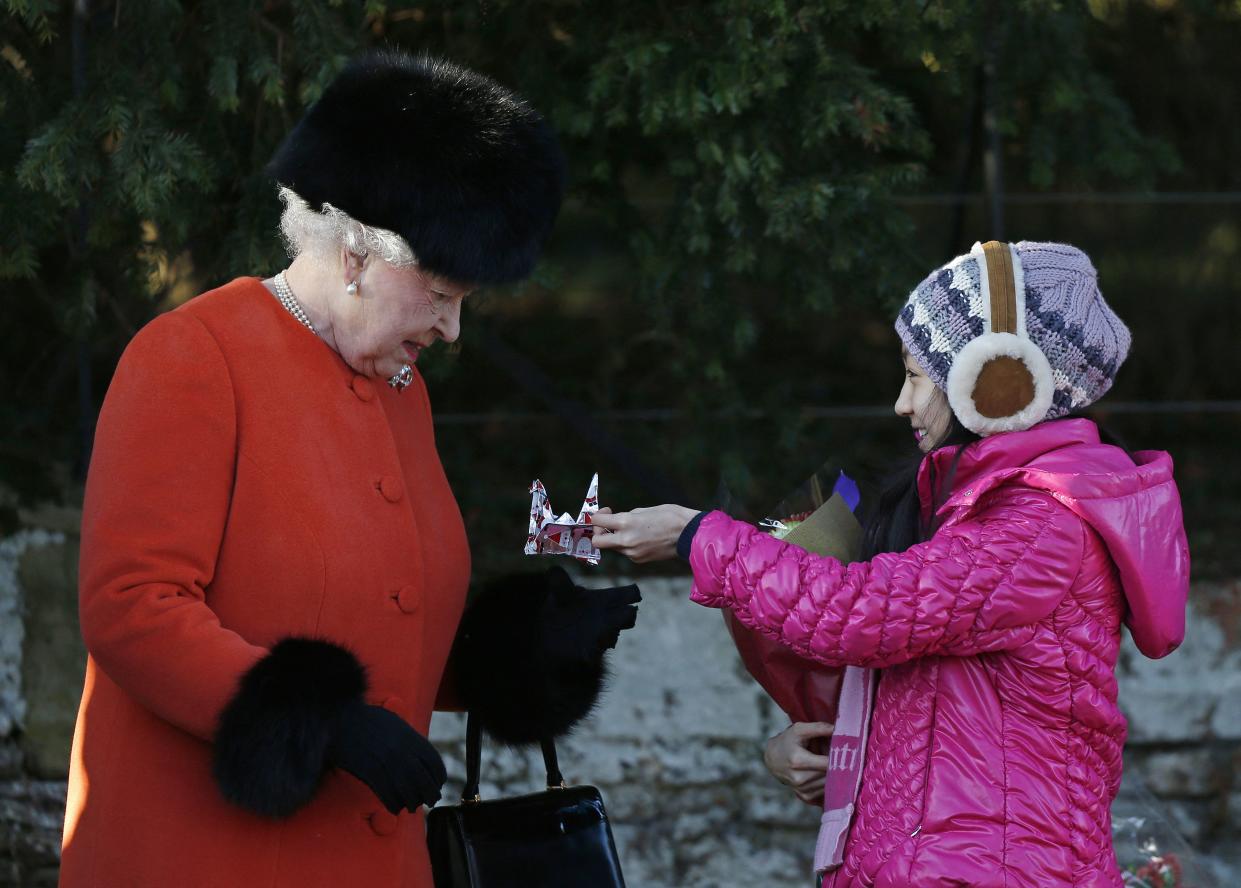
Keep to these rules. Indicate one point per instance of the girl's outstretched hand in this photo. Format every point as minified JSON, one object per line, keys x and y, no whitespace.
{"x":790,"y":760}
{"x":643,"y":534}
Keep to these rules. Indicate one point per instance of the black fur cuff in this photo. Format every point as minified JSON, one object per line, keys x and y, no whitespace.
{"x":273,"y":735}
{"x":507,"y":670}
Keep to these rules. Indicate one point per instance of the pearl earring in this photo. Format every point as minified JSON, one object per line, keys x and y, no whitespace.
{"x":352,"y":288}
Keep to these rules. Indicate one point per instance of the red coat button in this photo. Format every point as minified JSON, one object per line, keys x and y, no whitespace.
{"x":391,"y":488}
{"x":407,"y":599}
{"x":362,"y":388}
{"x":382,"y":823}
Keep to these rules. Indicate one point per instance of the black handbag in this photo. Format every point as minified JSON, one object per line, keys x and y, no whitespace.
{"x":558,"y":838}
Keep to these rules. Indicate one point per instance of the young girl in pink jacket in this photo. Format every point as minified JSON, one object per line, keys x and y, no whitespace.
{"x":995,"y":582}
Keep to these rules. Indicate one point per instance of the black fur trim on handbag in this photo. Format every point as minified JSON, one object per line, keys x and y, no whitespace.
{"x":528,"y":659}
{"x":274,"y":733}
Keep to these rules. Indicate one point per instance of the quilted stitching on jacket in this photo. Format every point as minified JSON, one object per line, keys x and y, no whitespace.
{"x":891,"y":808}
{"x":998,"y":638}
{"x":974,"y":587}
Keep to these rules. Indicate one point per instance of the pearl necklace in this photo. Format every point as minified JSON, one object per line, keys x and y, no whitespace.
{"x":285,"y":294}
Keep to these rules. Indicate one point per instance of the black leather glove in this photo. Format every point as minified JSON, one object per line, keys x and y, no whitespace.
{"x":378,"y":747}
{"x":579,"y":624}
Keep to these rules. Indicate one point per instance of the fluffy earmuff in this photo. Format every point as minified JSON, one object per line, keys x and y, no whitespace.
{"x":1000,"y":381}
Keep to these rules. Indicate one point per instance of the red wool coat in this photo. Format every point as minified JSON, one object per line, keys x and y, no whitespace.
{"x":246,"y":486}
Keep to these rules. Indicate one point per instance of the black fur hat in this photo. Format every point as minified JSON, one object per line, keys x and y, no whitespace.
{"x":468,"y":173}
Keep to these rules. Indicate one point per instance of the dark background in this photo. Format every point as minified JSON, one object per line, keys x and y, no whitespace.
{"x":755,"y":187}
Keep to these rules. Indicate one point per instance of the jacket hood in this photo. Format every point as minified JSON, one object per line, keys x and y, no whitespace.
{"x":1133,"y":505}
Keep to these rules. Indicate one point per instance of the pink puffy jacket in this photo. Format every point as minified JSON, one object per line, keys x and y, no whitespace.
{"x":995,"y":743}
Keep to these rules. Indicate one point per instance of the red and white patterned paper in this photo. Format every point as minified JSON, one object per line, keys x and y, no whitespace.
{"x":551,"y":535}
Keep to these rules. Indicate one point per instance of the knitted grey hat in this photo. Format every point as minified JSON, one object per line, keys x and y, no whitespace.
{"x":1060,"y":350}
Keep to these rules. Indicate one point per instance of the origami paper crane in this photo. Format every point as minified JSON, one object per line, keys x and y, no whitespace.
{"x":550,"y":535}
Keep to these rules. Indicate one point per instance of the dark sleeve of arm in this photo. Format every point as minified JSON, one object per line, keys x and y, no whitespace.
{"x":685,"y":541}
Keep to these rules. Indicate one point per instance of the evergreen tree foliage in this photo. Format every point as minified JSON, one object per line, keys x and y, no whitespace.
{"x":733,"y":164}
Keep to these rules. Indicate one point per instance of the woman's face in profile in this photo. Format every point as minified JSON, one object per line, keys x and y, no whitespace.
{"x":923,"y":404}
{"x":397,"y":312}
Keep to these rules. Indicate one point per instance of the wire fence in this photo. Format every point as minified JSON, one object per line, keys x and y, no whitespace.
{"x":866,"y":411}
{"x":1190,"y":198}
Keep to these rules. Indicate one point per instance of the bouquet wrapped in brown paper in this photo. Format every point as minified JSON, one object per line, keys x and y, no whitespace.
{"x":819,"y":517}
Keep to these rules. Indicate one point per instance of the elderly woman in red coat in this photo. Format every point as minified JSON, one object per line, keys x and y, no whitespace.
{"x":273,"y":565}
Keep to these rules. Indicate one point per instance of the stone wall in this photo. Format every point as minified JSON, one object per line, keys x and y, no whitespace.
{"x":41,"y":667}
{"x":676,"y":746}
{"x":677,"y":750}
{"x":1184,"y":716}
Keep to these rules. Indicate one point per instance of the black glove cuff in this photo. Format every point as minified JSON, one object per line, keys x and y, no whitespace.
{"x":273,"y":735}
{"x":506,"y":674}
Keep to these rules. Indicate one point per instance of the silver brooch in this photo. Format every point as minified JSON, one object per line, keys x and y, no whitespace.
{"x":403,"y":378}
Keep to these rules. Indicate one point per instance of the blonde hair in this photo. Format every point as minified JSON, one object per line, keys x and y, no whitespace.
{"x":321,"y":232}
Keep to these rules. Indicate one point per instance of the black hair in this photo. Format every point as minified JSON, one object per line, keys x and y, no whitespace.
{"x":895,"y":523}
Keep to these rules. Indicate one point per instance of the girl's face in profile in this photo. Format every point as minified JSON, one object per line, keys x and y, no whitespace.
{"x":924,"y":404}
